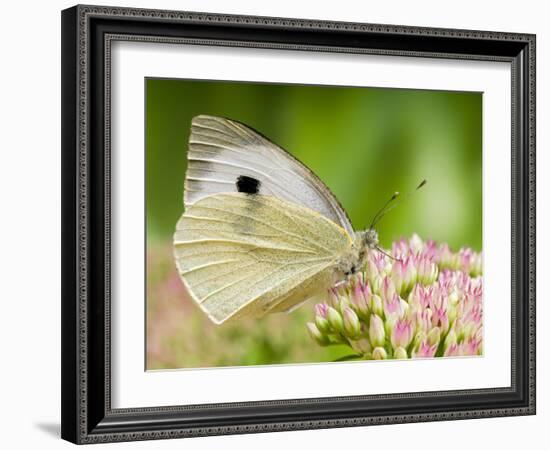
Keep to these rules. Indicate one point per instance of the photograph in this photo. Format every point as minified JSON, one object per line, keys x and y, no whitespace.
{"x":282,"y":222}
{"x":299,"y":224}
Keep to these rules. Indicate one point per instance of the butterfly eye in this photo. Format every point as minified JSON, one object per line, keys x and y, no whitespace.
{"x":248,"y":185}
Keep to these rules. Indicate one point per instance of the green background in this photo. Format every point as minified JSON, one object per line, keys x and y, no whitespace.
{"x":364,"y":143}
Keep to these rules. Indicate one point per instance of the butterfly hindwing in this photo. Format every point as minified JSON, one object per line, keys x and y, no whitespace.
{"x":227,"y":156}
{"x":248,"y":254}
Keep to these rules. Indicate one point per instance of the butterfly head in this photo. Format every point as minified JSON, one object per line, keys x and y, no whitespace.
{"x":369,"y":238}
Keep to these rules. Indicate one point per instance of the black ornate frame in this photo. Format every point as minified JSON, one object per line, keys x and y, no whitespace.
{"x":87,"y":33}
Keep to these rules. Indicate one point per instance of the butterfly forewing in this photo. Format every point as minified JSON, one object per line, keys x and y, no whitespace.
{"x":222,"y":152}
{"x":246,"y":255}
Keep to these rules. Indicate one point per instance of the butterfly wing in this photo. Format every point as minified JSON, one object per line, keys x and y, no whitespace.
{"x":227,"y":156}
{"x":243,"y":255}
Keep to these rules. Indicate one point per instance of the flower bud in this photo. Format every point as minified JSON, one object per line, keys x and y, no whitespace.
{"x":420,"y":337}
{"x":434,"y":336}
{"x":335,"y":320}
{"x":397,"y":275}
{"x":376,"y":305}
{"x":426,"y":271}
{"x":377,"y":334}
{"x":400,"y":353}
{"x":476,"y":267}
{"x":452,"y":350}
{"x":361,"y":346}
{"x":425,"y":351}
{"x":445,"y":256}
{"x":316,"y":335}
{"x":387,"y":289}
{"x":450,"y":339}
{"x":472,"y":347}
{"x":371,"y":271}
{"x":402,"y":333}
{"x":321,"y":321}
{"x":453,"y":298}
{"x":352,"y":327}
{"x":359,"y":300}
{"x":393,"y":307}
{"x":379,"y":353}
{"x":454,"y":306}
{"x":322,"y":324}
{"x":403,"y":275}
{"x":343,"y":303}
{"x":415,"y":243}
{"x":376,"y":285}
{"x":333,"y":297}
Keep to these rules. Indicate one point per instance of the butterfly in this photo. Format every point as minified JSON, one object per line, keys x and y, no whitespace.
{"x":261,"y":233}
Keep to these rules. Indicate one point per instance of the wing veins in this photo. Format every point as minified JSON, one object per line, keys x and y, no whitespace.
{"x":230,"y":241}
{"x":204,"y":266}
{"x":276,"y":285}
{"x":314,"y":244}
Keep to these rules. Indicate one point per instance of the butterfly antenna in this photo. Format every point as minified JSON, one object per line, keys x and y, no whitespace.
{"x":381,"y":210}
{"x":387,"y":207}
{"x":387,"y":254}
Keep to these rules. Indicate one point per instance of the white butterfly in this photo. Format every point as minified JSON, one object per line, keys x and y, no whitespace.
{"x":261,"y":232}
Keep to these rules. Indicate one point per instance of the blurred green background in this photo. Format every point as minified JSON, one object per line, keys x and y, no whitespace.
{"x":364,"y":143}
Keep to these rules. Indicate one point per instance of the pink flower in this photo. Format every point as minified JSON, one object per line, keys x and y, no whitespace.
{"x":425,"y":351}
{"x":471,"y":347}
{"x":452,"y":350}
{"x":402,"y":333}
{"x":321,"y":310}
{"x":426,"y":270}
{"x":387,"y":289}
{"x":425,"y":298}
{"x":359,"y":300}
{"x":400,"y":248}
{"x":403,"y":274}
{"x":393,"y":307}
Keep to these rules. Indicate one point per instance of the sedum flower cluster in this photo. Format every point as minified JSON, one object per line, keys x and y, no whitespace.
{"x":423,"y":302}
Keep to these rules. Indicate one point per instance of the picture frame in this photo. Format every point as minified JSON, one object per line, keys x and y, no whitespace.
{"x":88,"y":415}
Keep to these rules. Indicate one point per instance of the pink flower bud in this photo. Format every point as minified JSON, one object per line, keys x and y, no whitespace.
{"x":452,"y":350}
{"x":425,"y":351}
{"x":393,"y":307}
{"x":404,"y":274}
{"x":426,"y":271}
{"x":445,"y":256}
{"x":400,"y":248}
{"x":402,"y":333}
{"x":465,"y":258}
{"x":321,"y":310}
{"x":471,"y":347}
{"x":387,"y":290}
{"x":359,"y":301}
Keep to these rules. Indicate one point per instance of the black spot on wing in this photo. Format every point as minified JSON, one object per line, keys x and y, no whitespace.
{"x":248,"y":185}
